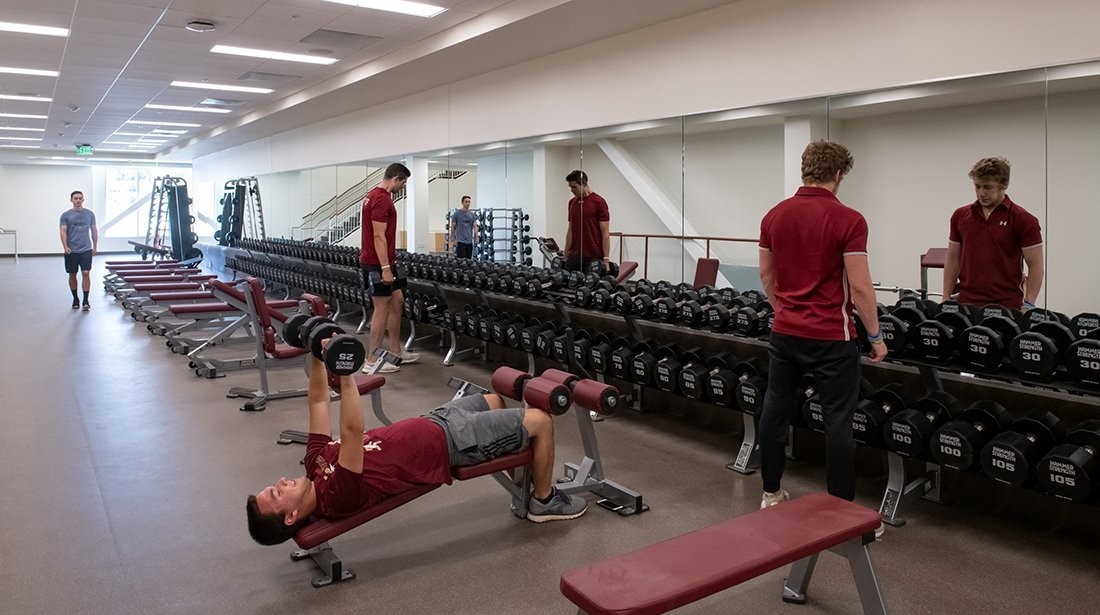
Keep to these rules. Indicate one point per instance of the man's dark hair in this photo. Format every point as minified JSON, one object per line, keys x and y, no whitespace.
{"x":577,"y":176}
{"x":269,"y":529}
{"x":464,"y":197}
{"x":74,"y":193}
{"x":397,"y":170}
{"x":822,"y":159}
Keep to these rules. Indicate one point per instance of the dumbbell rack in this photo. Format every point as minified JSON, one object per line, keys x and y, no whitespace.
{"x":242,"y":212}
{"x":503,"y":235}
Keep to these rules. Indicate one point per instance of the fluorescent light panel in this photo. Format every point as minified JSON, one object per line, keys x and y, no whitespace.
{"x":19,"y":128}
{"x":165,"y":131}
{"x":23,"y":116}
{"x":30,"y":98}
{"x":181,"y":108}
{"x":418,"y":9}
{"x":221,"y":87}
{"x":20,"y":146}
{"x":7,"y":26}
{"x":271,"y":55}
{"x":20,"y":138}
{"x":155,"y":123}
{"x":28,"y":71}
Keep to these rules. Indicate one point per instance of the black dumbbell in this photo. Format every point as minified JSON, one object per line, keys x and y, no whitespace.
{"x":498,"y":329}
{"x":754,"y":320}
{"x":622,"y":358}
{"x":750,"y":394}
{"x":1012,"y":456}
{"x":692,"y":380}
{"x":528,"y":336}
{"x":1038,"y":315}
{"x":959,"y":442}
{"x":1037,"y":352}
{"x":645,"y":360}
{"x":1084,"y":323}
{"x":513,"y":331}
{"x":693,"y":312}
{"x":873,"y":411}
{"x":721,"y":316}
{"x":909,"y":431}
{"x":985,"y":345}
{"x":934,"y":340}
{"x":544,"y":340}
{"x":1070,"y":470}
{"x":561,"y":349}
{"x":599,"y":355}
{"x":1082,"y":359}
{"x":666,"y":374}
{"x":667,"y":305}
{"x":722,"y":382}
{"x":343,"y":355}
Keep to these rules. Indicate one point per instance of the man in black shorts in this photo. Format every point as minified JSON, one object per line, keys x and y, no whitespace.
{"x":362,"y":468}
{"x":80,"y":240}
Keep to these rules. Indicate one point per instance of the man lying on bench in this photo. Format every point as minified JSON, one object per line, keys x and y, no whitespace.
{"x":362,"y":468}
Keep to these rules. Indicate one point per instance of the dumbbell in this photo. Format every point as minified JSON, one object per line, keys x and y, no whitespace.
{"x":544,"y":340}
{"x":1084,"y":323}
{"x":667,"y":306}
{"x":934,"y":340}
{"x":666,"y":374}
{"x":588,"y":394}
{"x":723,"y":380}
{"x":562,"y":350}
{"x":1038,"y":351}
{"x":599,"y":354}
{"x":498,"y":328}
{"x":693,"y":374}
{"x":872,"y":412}
{"x":959,"y":442}
{"x":1082,"y":359}
{"x":1012,"y":456}
{"x":985,"y":345}
{"x":343,"y":354}
{"x":644,"y":364}
{"x":693,"y":311}
{"x":721,"y":316}
{"x":754,"y":320}
{"x":621,"y":358}
{"x":909,"y":431}
{"x":529,"y":334}
{"x":1070,"y":470}
{"x":750,"y":394}
{"x":538,"y":283}
{"x":1038,"y":315}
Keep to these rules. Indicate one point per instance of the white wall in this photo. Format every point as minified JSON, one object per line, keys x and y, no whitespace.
{"x":34,"y":199}
{"x":447,"y":194}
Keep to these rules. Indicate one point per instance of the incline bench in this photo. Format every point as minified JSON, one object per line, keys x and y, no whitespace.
{"x":681,"y":570}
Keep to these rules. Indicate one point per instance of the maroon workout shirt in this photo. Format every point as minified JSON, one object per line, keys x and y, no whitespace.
{"x":991,"y":260}
{"x":378,"y":207}
{"x":585,"y":215}
{"x":809,"y":235}
{"x":396,"y":458}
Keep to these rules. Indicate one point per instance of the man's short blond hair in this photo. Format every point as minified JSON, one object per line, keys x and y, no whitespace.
{"x":996,"y":167}
{"x":822,"y":159}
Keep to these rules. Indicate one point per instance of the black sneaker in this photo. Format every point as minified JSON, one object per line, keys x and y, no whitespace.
{"x":559,"y":508}
{"x":76,"y":304}
{"x":87,"y":306}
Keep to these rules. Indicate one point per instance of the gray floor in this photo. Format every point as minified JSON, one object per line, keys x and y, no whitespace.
{"x":125,"y":479}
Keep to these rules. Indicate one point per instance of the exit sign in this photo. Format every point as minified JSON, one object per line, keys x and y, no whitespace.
{"x":83,"y":150}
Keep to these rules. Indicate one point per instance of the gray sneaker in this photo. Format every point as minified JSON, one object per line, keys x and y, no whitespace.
{"x":559,"y":508}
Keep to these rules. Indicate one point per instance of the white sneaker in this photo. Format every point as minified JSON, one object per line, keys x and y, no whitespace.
{"x":409,"y":357}
{"x":387,"y":368}
{"x":771,"y":499}
{"x":879,"y":531}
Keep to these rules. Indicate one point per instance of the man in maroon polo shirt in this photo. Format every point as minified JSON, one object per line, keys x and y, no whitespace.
{"x":588,"y":237}
{"x":813,"y":265}
{"x":376,"y":255}
{"x":990,"y":241}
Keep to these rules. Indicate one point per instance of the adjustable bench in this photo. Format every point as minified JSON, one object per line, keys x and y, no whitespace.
{"x":681,"y":570}
{"x":313,"y":538}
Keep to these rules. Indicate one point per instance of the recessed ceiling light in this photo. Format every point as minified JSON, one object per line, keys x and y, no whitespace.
{"x":20,"y":138}
{"x":418,"y":9}
{"x":18,"y":128}
{"x":165,"y":131}
{"x":23,"y":116}
{"x":129,"y":134}
{"x":200,"y":25}
{"x":271,"y":55}
{"x":216,"y":86}
{"x":155,"y":123}
{"x":20,"y":146}
{"x":24,"y":97}
{"x":29,"y":29}
{"x":28,"y":71}
{"x":180,"y":108}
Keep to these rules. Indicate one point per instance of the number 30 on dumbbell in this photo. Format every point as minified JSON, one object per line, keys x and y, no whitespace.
{"x":342,"y":355}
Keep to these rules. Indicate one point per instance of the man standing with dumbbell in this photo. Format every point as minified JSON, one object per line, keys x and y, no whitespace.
{"x":80,"y":240}
{"x":377,"y":255}
{"x":588,"y":236}
{"x":990,"y":241}
{"x":813,"y":265}
{"x":463,"y":229}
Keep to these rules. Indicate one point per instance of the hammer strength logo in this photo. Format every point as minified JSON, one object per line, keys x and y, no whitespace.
{"x":1004,"y":222}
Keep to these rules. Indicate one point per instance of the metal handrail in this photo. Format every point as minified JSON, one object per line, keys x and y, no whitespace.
{"x":645,"y":253}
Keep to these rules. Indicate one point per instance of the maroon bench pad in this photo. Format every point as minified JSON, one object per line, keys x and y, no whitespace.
{"x":681,"y":570}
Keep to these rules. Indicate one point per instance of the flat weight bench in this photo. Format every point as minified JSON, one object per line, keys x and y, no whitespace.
{"x":681,"y":570}
{"x":313,"y":538}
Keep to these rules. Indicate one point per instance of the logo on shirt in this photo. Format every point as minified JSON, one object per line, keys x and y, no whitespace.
{"x":1004,"y":222}
{"x":373,"y":445}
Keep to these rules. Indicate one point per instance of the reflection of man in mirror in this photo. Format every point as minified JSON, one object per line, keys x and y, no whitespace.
{"x":588,"y":238}
{"x":813,"y":291}
{"x":990,"y":241}
{"x":463,"y":229}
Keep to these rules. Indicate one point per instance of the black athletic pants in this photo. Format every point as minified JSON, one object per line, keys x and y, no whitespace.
{"x":835,"y":367}
{"x":464,"y":250}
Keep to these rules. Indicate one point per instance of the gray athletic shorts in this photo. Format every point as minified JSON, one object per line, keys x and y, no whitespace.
{"x":475,"y":433}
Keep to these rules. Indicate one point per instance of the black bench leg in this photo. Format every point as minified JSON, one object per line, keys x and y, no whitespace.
{"x":795,"y":585}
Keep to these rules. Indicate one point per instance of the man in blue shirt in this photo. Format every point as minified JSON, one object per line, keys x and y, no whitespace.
{"x":463,"y":229}
{"x":80,"y":240}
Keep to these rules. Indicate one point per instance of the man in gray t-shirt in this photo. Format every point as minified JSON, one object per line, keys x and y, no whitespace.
{"x":463,"y":229}
{"x":80,"y":240}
